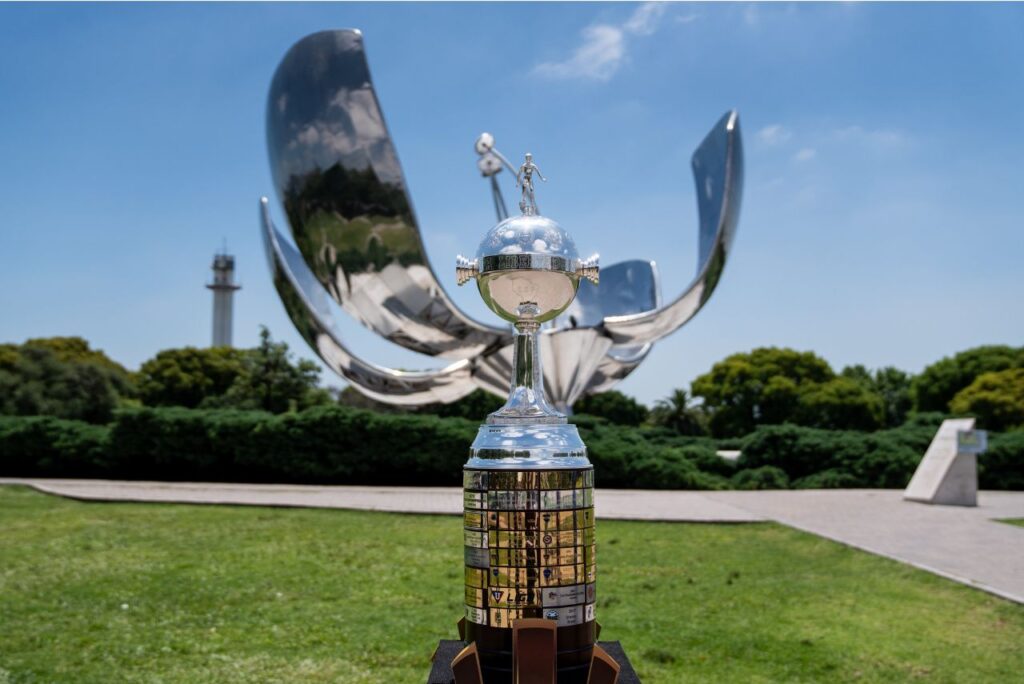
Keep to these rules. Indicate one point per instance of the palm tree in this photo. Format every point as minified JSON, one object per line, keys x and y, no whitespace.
{"x":677,"y":412}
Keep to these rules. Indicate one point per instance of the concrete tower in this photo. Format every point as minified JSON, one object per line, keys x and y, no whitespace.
{"x":223,"y":287}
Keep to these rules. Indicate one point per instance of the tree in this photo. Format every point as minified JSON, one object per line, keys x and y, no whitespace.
{"x":271,"y":382}
{"x":38,"y":379}
{"x":840,"y":404}
{"x":614,"y":406}
{"x":997,"y":399}
{"x":677,"y":412}
{"x":758,"y":387}
{"x":936,"y":386}
{"x":189,"y":376}
{"x":76,"y":350}
{"x":892,"y":386}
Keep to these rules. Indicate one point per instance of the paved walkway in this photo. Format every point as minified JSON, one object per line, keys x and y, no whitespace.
{"x":962,"y":544}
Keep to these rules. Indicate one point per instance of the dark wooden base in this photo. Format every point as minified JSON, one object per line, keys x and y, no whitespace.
{"x":447,"y":649}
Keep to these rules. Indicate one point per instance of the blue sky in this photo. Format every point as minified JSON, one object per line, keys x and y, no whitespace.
{"x":884,"y":200}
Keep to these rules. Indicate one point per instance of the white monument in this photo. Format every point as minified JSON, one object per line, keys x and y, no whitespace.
{"x":948,"y":473}
{"x":223,"y":287}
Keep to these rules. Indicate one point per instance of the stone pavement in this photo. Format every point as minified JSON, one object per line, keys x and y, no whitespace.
{"x":618,"y":504}
{"x":962,"y":544}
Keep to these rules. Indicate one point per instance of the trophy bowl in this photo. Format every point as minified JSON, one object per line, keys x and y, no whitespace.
{"x":527,"y":269}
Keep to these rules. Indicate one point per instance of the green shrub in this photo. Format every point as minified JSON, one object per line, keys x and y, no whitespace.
{"x":41,"y":446}
{"x":827,"y":479}
{"x":879,"y":459}
{"x":670,"y":469}
{"x":706,"y":458}
{"x":1002,"y":466}
{"x":326,"y":444}
{"x":176,"y":443}
{"x":765,"y":477}
{"x":340,"y":445}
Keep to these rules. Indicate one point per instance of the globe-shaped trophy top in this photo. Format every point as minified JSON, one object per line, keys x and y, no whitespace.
{"x":528,"y":268}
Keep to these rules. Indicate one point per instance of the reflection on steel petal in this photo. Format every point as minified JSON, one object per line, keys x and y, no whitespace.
{"x":571,"y":356}
{"x":627,"y":287}
{"x":341,"y":186}
{"x":307,"y":306}
{"x":718,"y":172}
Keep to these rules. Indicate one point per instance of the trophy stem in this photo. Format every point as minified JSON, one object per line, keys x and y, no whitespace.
{"x":526,"y":401}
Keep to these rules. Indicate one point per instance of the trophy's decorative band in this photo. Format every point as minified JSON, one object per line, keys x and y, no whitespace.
{"x":529,"y":546}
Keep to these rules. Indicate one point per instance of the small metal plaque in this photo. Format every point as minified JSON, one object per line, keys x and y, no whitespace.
{"x":503,"y":617}
{"x":511,"y":557}
{"x":569,"y":555}
{"x":474,"y":520}
{"x":477,"y":615}
{"x":475,"y":597}
{"x":971,"y":441}
{"x":476,"y":558}
{"x":566,"y":616}
{"x":475,"y":539}
{"x":476,"y":577}
{"x":561,"y":575}
{"x":474,"y":480}
{"x":567,"y":596}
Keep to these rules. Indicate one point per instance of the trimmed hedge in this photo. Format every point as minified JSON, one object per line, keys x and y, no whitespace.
{"x":43,"y":446}
{"x":342,"y":445}
{"x":875,"y":459}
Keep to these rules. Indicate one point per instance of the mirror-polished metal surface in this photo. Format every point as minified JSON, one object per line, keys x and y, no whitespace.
{"x":342,"y":190}
{"x":718,"y":173}
{"x":528,"y":270}
{"x":627,"y":287}
{"x":525,"y":260}
{"x":307,"y":306}
{"x":341,"y":186}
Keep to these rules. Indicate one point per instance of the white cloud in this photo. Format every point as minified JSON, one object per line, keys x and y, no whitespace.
{"x":597,"y":58}
{"x":645,"y":19}
{"x":775,"y":134}
{"x":603,"y":49}
{"x":805,"y":154}
{"x":885,"y":138}
{"x":686,"y":18}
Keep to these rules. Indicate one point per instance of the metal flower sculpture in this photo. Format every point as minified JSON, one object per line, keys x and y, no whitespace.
{"x":357,"y":240}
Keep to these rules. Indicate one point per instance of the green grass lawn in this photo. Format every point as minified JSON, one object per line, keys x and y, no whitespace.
{"x":1014,"y":521}
{"x":107,"y":593}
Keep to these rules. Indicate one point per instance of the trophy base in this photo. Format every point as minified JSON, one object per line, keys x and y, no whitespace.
{"x":447,"y":650}
{"x":572,"y":649}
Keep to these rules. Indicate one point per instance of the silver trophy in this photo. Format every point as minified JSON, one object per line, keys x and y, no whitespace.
{"x":528,"y":485}
{"x":357,"y":247}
